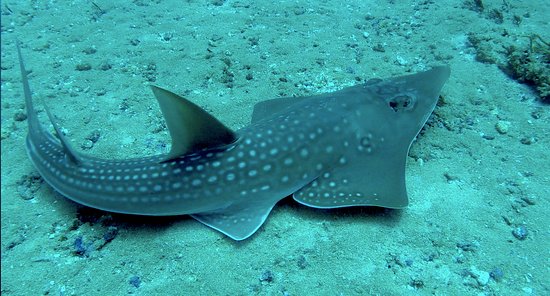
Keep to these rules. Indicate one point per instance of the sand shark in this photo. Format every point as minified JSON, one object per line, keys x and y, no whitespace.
{"x":339,"y":149}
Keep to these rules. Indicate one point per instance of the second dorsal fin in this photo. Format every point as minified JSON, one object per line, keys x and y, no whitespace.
{"x":191,"y":128}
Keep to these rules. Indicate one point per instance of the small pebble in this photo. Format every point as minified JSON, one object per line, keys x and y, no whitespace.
{"x":528,"y":140}
{"x":90,"y":50}
{"x":105,"y":66}
{"x":135,"y":42}
{"x":520,"y":232}
{"x":20,"y":116}
{"x":502,"y":127}
{"x":135,"y":281}
{"x":111,"y":234}
{"x":94,"y":136}
{"x":267,"y":276}
{"x":379,"y":48}
{"x":537,"y":113}
{"x":28,"y":185}
{"x":302,"y":262}
{"x":5,"y":133}
{"x":497,"y":274}
{"x":87,"y":144}
{"x":451,"y":178}
{"x":460,"y":259}
{"x":416,"y":283}
{"x":467,"y":246}
{"x":482,"y":277}
{"x":83,"y":67}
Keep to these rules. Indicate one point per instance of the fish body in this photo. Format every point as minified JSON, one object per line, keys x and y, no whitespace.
{"x":346,"y":148}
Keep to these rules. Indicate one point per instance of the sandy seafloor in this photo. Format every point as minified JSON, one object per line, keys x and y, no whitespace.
{"x":477,"y":173}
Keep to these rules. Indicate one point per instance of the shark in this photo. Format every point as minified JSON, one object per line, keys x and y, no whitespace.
{"x":339,"y":149}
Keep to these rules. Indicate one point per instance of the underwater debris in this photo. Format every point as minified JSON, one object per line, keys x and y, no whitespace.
{"x":83,"y":248}
{"x":527,"y":63}
{"x":28,"y":185}
{"x":532,"y":65}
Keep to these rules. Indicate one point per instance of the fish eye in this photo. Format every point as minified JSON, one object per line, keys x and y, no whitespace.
{"x":401,"y":102}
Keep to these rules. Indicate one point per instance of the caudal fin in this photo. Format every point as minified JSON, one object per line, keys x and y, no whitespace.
{"x":36,"y":131}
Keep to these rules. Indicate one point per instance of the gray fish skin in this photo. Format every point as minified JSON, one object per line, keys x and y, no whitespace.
{"x":346,"y":148}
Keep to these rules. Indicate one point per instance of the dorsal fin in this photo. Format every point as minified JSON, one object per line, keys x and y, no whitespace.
{"x":191,"y":128}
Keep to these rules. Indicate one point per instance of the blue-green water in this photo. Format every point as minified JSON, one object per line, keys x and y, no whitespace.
{"x":477,"y":176}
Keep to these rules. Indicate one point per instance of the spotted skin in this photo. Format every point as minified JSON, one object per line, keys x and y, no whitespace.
{"x":316,"y":148}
